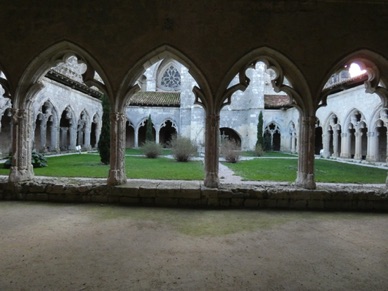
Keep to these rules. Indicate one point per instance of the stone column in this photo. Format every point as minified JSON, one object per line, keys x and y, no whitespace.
{"x":326,"y":144}
{"x":373,"y":146}
{"x":293,"y":134}
{"x":345,"y":144}
{"x":87,"y":145}
{"x":64,"y":143}
{"x":335,"y":143}
{"x":305,"y":175}
{"x":73,"y":137}
{"x":211,"y":149}
{"x":157,"y":133}
{"x":136,"y":137}
{"x":43,"y":134}
{"x":358,"y":145}
{"x":54,"y":138}
{"x":117,"y":173}
{"x":21,"y":169}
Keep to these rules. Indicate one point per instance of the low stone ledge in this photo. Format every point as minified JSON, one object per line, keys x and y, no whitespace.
{"x":195,"y":194}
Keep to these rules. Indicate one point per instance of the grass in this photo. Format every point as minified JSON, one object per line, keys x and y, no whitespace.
{"x":89,"y":165}
{"x":261,"y":169}
{"x":267,"y":154}
{"x":325,"y":171}
{"x":163,"y":168}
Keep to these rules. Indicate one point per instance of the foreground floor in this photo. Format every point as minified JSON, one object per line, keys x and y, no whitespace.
{"x":99,"y":247}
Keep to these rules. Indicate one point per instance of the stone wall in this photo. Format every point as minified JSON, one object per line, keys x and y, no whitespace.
{"x":195,"y":194}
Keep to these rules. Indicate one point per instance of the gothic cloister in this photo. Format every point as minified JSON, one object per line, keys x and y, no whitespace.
{"x":217,"y":84}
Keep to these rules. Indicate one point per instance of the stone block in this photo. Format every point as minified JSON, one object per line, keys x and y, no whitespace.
{"x":37,"y":197}
{"x":210,"y":193}
{"x":167,"y":191}
{"x":148,"y":201}
{"x":224,"y":202}
{"x":166,"y":201}
{"x":213,"y":202}
{"x":147,"y":191}
{"x":129,"y":200}
{"x":237,"y":202}
{"x":251,"y":203}
{"x":190,"y":202}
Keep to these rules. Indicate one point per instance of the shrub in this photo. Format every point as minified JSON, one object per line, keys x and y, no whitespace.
{"x":38,"y":160}
{"x":259,"y":151}
{"x":151,"y":149}
{"x":230,"y":150}
{"x":183,"y":149}
{"x":104,"y":141}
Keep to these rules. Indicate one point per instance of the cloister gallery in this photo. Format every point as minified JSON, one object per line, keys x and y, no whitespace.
{"x":53,"y":77}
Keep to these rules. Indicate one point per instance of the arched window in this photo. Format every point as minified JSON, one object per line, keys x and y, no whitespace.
{"x":171,"y":79}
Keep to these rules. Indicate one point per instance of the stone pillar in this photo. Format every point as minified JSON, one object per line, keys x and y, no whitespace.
{"x":87,"y":145}
{"x":358,"y":145}
{"x":54,"y":138}
{"x":136,"y":137}
{"x":43,"y":134}
{"x":64,"y":143}
{"x":386,"y":152}
{"x":21,"y":169}
{"x":373,"y":147}
{"x":117,"y":173}
{"x":326,"y":144}
{"x":305,"y":175}
{"x":211,"y":149}
{"x":73,"y":137}
{"x":293,"y":136}
{"x":345,"y":144}
{"x":335,"y":143}
{"x":157,"y":134}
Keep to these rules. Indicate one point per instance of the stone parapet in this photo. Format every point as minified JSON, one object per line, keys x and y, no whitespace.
{"x":194,"y":194}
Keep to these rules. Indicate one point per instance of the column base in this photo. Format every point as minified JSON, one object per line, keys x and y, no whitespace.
{"x":116,"y":177}
{"x":211,"y":180}
{"x":18,"y":175}
{"x":306,"y":181}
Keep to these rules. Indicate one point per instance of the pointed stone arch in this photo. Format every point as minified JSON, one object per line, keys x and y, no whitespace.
{"x":296,"y":88}
{"x":129,"y":87}
{"x":272,"y":136}
{"x":46,"y":127}
{"x":376,"y":81}
{"x":29,"y":85}
{"x":167,"y":129}
{"x":83,"y":130}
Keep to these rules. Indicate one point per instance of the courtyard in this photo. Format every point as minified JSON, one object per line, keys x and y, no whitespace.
{"x":100,"y":247}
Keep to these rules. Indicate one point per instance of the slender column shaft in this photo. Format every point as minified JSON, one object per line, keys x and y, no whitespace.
{"x":117,"y":174}
{"x":211,"y":150}
{"x":305,"y":175}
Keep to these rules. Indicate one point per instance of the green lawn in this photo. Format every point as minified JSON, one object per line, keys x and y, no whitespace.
{"x":89,"y":165}
{"x":325,"y":171}
{"x":260,"y":169}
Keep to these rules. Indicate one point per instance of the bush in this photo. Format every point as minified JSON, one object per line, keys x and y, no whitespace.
{"x":259,"y":151}
{"x":151,"y":149}
{"x":37,"y":160}
{"x":183,"y":149}
{"x":230,"y":150}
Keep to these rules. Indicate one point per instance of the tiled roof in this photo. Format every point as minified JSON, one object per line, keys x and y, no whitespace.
{"x":166,"y":99}
{"x":276,"y":101}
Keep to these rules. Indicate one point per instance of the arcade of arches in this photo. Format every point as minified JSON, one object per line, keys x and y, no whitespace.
{"x":53,"y":76}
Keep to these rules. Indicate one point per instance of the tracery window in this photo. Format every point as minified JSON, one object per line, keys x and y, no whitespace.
{"x":171,"y":78}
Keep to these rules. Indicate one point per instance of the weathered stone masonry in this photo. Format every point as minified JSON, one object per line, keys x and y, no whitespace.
{"x":195,"y":194}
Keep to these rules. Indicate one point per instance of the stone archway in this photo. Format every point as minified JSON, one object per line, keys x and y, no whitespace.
{"x":272,"y":137}
{"x":29,"y":85}
{"x":166,"y":133}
